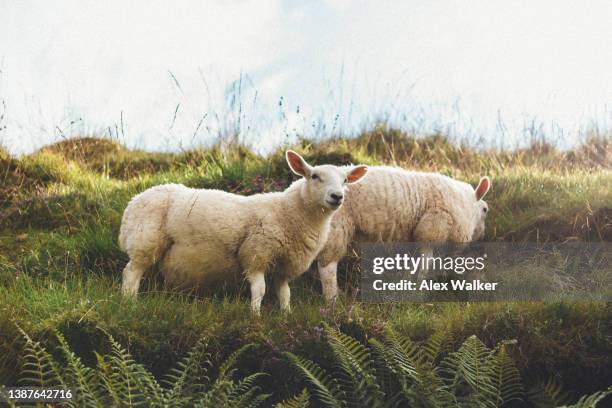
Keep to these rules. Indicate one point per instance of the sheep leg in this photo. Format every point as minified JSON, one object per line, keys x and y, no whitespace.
{"x":132,"y":273}
{"x":426,"y":250}
{"x":433,"y":228}
{"x":329,"y":281}
{"x":258,"y":290}
{"x":284,"y":294}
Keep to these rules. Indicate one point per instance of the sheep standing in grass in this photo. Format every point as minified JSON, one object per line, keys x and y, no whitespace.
{"x":394,"y":205}
{"x":198,"y":236}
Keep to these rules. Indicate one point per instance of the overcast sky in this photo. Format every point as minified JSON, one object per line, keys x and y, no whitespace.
{"x":167,"y":75}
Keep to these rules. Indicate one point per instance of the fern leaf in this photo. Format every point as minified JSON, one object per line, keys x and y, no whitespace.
{"x":353,"y":356}
{"x":4,"y":397}
{"x":325,"y":389}
{"x":419,"y":384}
{"x":105,"y":373}
{"x":244,"y":392}
{"x":507,"y":381}
{"x":547,"y":394}
{"x":225,"y":370}
{"x":190,"y":377}
{"x":39,"y":369}
{"x":81,"y":378}
{"x":436,"y":345}
{"x":129,"y":381}
{"x":224,"y":392}
{"x":471,"y":374}
{"x":299,"y":401}
{"x":407,"y":355}
{"x":591,"y":401}
{"x":388,"y":372}
{"x":358,"y":378}
{"x":217,"y":396}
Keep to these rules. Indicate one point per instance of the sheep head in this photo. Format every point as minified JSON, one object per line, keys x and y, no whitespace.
{"x":324,"y":185}
{"x":481,"y":207}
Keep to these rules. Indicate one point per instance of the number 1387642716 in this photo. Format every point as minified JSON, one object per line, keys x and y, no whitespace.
{"x":35,"y":394}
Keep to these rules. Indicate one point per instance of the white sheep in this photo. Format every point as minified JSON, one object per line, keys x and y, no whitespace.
{"x":198,"y":236}
{"x":394,"y":205}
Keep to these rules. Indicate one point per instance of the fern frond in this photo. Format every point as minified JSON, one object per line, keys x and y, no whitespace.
{"x":470,"y":372}
{"x":128,"y":382}
{"x":591,"y":401}
{"x":507,"y":380}
{"x":244,"y":392}
{"x":82,"y":379}
{"x":151,"y":390}
{"x":407,"y":355}
{"x":436,"y":345}
{"x":4,"y":397}
{"x":253,"y":401}
{"x":358,"y":378}
{"x":352,"y":355}
{"x":225,"y":370}
{"x":190,"y":377}
{"x":107,"y":378}
{"x":326,"y":390}
{"x":39,"y":369}
{"x":217,"y":396}
{"x":547,"y":394}
{"x":388,"y":373}
{"x":299,"y":401}
{"x":418,"y":383}
{"x":224,"y":392}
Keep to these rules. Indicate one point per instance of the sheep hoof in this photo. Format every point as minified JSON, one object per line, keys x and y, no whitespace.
{"x":331,"y":301}
{"x":128,"y":291}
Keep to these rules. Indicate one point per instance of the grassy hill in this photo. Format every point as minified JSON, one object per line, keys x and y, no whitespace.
{"x":60,"y":266}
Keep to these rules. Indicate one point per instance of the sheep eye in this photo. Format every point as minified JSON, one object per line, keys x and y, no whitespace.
{"x":484,"y":210}
{"x":314,"y":177}
{"x":345,"y":181}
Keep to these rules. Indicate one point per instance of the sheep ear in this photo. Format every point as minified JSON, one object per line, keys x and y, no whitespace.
{"x":483,"y":188}
{"x":356,"y":174}
{"x":297,"y":164}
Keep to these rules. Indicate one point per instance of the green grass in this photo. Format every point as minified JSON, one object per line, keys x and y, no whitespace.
{"x":60,"y":211}
{"x":569,"y":342}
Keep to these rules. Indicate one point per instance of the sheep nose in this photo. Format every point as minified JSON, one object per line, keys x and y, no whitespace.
{"x":337,"y":197}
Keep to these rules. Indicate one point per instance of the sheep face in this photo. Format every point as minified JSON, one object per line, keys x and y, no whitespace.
{"x":481,"y":215}
{"x":324,"y":185}
{"x":481,"y":208}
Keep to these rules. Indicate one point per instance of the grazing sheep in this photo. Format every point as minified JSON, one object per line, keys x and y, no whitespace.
{"x":197,"y":236}
{"x":393,"y":204}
